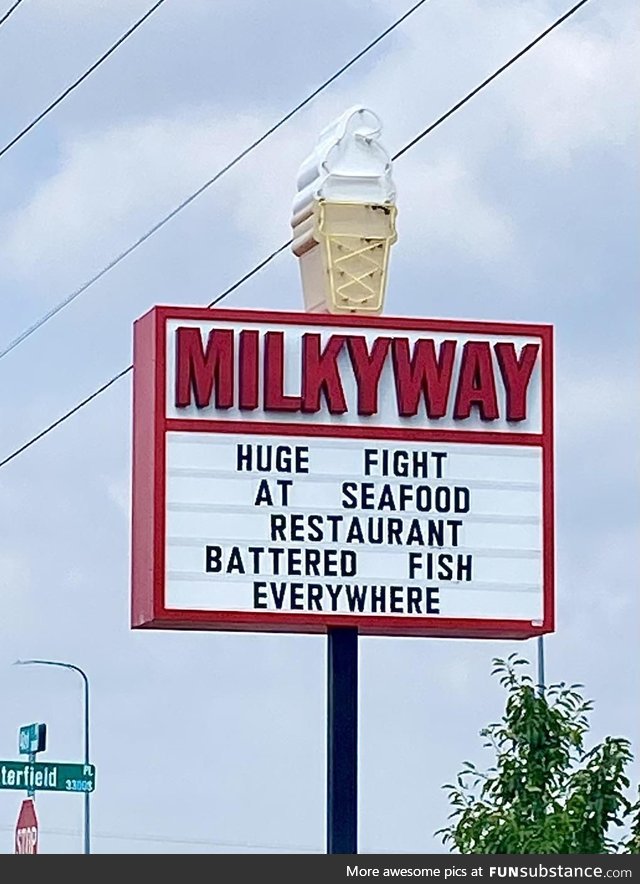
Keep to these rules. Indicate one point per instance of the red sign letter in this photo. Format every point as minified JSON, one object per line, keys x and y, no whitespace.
{"x":274,"y":397}
{"x":367,"y":368}
{"x":476,"y":384}
{"x":320,"y":374}
{"x":423,"y":373}
{"x":516,"y":374}
{"x":196,"y":370}
{"x":248,"y":370}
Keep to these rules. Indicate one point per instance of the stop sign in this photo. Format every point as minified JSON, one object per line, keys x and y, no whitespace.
{"x":27,"y":828}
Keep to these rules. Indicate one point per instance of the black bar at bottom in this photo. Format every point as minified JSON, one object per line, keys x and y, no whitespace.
{"x":342,"y":741}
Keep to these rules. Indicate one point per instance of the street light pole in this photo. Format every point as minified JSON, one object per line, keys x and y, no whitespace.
{"x":85,"y":680}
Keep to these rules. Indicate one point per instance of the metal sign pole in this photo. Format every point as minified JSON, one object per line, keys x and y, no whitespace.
{"x":342,"y":740}
{"x":30,"y":789}
{"x":541,"y":675}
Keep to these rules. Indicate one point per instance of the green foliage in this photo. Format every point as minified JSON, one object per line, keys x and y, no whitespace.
{"x":545,"y":792}
{"x":632,"y":845}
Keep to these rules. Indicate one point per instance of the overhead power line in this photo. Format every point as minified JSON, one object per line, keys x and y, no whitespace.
{"x":67,"y":415}
{"x":125,"y":371}
{"x":207,"y":184}
{"x":9,"y":11}
{"x":171,"y":839}
{"x":281,"y":248}
{"x":80,"y":80}
{"x":490,"y":79}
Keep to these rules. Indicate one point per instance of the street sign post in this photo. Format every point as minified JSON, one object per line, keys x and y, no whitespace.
{"x":32,"y":738}
{"x":26,"y":834}
{"x":49,"y":777}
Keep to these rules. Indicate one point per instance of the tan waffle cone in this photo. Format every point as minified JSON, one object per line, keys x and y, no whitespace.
{"x":344,"y":255}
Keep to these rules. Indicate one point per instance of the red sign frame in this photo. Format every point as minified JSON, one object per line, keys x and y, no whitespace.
{"x":150,"y":426}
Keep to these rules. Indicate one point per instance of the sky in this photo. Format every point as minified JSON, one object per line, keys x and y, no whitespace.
{"x":523,"y":206}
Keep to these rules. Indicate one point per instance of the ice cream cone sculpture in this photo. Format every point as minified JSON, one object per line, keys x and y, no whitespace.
{"x":344,"y":217}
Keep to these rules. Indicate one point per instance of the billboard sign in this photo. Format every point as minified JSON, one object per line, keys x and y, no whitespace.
{"x":295,"y":472}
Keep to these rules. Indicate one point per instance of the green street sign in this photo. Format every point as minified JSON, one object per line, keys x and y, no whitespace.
{"x":32,"y":738}
{"x":50,"y":777}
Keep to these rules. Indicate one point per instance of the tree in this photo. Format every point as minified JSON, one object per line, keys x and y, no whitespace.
{"x":545,"y":793}
{"x":632,"y":845}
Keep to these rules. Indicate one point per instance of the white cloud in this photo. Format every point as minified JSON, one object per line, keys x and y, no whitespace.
{"x":445,"y":209}
{"x":579,"y":90}
{"x":15,"y":600}
{"x":456,"y":675}
{"x":572,"y":92}
{"x":603,"y":403}
{"x":119,"y":492}
{"x":112,"y":185}
{"x":101,"y":9}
